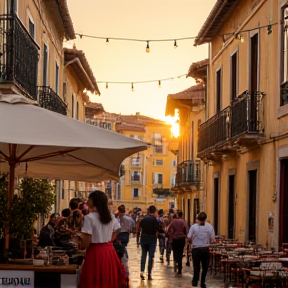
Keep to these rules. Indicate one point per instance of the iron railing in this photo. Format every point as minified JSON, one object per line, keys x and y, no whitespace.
{"x":18,"y":55}
{"x":49,"y":100}
{"x":215,"y":130}
{"x":188,"y":172}
{"x":247,"y":113}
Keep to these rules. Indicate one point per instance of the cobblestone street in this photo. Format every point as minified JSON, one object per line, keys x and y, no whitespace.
{"x":162,"y":274}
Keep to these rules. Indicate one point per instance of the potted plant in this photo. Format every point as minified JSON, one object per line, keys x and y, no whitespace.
{"x":31,"y":198}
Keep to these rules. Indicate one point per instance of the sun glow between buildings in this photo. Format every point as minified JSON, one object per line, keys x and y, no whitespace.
{"x":175,"y":125}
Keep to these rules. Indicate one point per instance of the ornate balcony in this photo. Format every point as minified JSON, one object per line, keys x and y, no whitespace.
{"x":188,"y":176}
{"x":238,"y":125}
{"x":48,"y":99}
{"x":18,"y":57}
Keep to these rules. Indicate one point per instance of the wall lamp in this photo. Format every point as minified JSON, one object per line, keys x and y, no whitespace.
{"x":239,"y":37}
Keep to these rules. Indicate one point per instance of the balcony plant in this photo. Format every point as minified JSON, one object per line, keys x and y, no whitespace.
{"x":33,"y":197}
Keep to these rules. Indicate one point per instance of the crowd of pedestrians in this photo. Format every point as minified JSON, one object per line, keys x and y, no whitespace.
{"x":105,"y":235}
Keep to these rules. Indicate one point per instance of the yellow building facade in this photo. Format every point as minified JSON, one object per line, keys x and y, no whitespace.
{"x":148,"y":176}
{"x":190,"y":104}
{"x":243,"y":141}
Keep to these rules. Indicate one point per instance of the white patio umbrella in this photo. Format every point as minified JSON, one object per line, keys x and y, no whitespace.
{"x":38,"y":143}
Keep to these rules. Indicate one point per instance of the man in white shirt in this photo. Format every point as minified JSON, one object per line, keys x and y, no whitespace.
{"x":201,"y":234}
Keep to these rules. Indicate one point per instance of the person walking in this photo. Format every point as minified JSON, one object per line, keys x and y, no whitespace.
{"x":126,"y":223}
{"x":102,"y":267}
{"x":148,"y":240}
{"x":201,"y":234}
{"x":161,"y":234}
{"x":178,"y":231}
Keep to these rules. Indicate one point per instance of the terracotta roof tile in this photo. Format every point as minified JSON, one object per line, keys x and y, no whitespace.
{"x":94,"y":105}
{"x":66,"y":19}
{"x":129,"y":127}
{"x":196,"y":66}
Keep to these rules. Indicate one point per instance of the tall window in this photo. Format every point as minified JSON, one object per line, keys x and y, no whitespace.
{"x":284,"y":56}
{"x":157,"y":139}
{"x":234,"y":75}
{"x":72,"y":106}
{"x":77,"y":110}
{"x":45,"y":64}
{"x":14,"y":9}
{"x":135,"y":192}
{"x":56,"y":78}
{"x":157,"y":178}
{"x":31,"y":28}
{"x":218,"y":90}
{"x":135,"y":177}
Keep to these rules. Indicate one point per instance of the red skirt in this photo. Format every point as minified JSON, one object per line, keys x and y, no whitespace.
{"x":102,"y":268}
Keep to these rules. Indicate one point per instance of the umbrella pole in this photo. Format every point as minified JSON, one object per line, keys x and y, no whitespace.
{"x":11,"y":188}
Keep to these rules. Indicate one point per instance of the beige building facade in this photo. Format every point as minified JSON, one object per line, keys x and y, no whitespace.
{"x":243,"y":141}
{"x":35,"y":64}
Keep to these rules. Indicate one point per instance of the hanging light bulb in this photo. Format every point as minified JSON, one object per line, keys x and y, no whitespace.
{"x":132,"y":87}
{"x":81,"y":36}
{"x":175,"y":44}
{"x":147,"y":47}
{"x":159,"y":84}
{"x":107,"y":41}
{"x":106,"y":85}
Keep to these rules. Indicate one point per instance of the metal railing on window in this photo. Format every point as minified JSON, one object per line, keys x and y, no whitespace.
{"x":188,"y":172}
{"x":247,"y":113}
{"x":215,"y":130}
{"x":18,"y":55}
{"x":48,"y":99}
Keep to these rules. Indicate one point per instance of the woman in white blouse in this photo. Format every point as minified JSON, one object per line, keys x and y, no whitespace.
{"x":102,"y":268}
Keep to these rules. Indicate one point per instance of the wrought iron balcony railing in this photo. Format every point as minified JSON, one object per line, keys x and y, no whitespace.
{"x":48,"y":99}
{"x":188,"y":172}
{"x":18,"y":56}
{"x":215,"y":130}
{"x":245,"y":115}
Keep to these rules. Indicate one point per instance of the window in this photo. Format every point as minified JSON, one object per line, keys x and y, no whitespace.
{"x":174,"y":163}
{"x":284,"y":56}
{"x":136,"y":161}
{"x":31,"y":28}
{"x":56,"y":78}
{"x":158,"y":162}
{"x":135,"y":192}
{"x":218,"y":90}
{"x":14,"y":8}
{"x":72,"y":106}
{"x":157,"y":139}
{"x":157,"y":178}
{"x":135,"y":176}
{"x":119,"y":192}
{"x":64,"y":92}
{"x":234,"y":75}
{"x":45,"y":64}
{"x":63,"y":195}
{"x":77,"y":110}
{"x":158,"y":149}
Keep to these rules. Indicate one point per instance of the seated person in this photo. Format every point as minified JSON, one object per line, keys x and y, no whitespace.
{"x":47,"y":233}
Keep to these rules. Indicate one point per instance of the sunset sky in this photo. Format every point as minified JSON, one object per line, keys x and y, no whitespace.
{"x":127,"y":61}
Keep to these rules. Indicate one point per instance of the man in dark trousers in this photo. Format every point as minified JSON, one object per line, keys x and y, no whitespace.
{"x":201,"y":235}
{"x":148,"y":241}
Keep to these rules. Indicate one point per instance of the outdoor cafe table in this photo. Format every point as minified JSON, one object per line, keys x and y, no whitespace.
{"x":38,"y":277}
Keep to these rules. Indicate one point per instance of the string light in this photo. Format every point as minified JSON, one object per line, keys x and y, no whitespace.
{"x":132,"y":87}
{"x":106,"y":85}
{"x":147,"y":47}
{"x":175,"y":44}
{"x":269,"y":26}
{"x":159,"y":84}
{"x":107,"y":41}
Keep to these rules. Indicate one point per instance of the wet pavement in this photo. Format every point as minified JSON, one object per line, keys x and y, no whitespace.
{"x":162,"y":274}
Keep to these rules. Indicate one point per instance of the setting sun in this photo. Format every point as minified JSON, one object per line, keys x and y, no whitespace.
{"x":175,"y":125}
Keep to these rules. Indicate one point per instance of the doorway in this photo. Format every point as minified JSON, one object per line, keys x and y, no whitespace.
{"x":231,"y":207}
{"x":252,"y":205}
{"x":283,"y":215}
{"x":216,"y":205}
